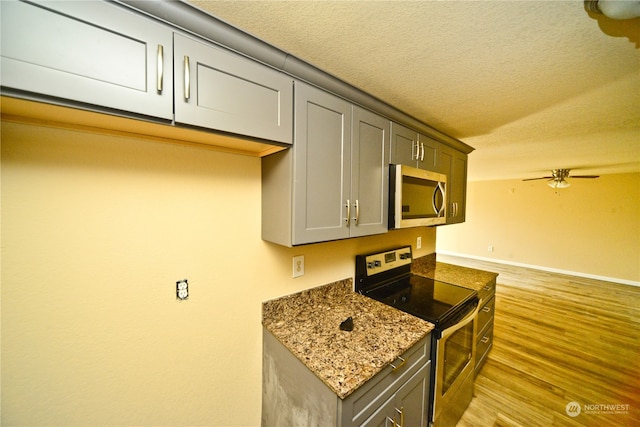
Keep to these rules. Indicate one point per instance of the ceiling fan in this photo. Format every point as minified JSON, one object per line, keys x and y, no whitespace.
{"x":558,"y":178}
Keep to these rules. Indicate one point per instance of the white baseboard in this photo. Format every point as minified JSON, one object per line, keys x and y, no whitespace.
{"x":538,"y":267}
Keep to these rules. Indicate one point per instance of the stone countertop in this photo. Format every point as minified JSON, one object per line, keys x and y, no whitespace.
{"x":427,"y":266}
{"x":308,"y":324}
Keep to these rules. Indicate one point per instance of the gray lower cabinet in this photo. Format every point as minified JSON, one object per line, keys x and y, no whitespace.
{"x":453,"y":163}
{"x":408,"y":406}
{"x":219,"y":89}
{"x":333,"y":183}
{"x":484,"y":335}
{"x":292,"y":395}
{"x":88,"y":51}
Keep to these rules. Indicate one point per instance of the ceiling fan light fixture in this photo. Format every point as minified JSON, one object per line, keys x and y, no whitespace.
{"x":614,"y":9}
{"x":558,"y":183}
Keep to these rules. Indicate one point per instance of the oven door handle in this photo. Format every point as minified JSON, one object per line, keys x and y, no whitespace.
{"x":461,"y":324}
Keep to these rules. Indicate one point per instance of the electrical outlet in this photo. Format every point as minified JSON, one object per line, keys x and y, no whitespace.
{"x":298,"y":266}
{"x":419,"y":243}
{"x":182,"y":289}
{"x":490,"y":248}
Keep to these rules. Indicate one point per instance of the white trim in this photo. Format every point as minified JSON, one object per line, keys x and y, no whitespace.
{"x":538,"y":267}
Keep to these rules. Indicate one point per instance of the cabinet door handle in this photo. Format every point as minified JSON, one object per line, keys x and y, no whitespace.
{"x":400,"y":365}
{"x":486,"y":309}
{"x":160,"y":68}
{"x":414,"y":149}
{"x":393,"y":422}
{"x":422,"y":154}
{"x":484,"y":340}
{"x":348,"y":212}
{"x":187,"y":79}
{"x":357,"y":217}
{"x":401,"y":412}
{"x":487,"y":288}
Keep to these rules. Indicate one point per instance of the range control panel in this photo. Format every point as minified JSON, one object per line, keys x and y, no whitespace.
{"x":385,"y":261}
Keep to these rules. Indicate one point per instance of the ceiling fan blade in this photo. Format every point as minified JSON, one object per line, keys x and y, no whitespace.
{"x":534,"y":179}
{"x":584,"y":176}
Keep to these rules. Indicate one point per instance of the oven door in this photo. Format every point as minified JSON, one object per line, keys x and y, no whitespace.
{"x":454,"y":364}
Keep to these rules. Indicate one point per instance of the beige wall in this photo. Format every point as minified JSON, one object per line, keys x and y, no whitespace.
{"x":592,"y":227}
{"x":96,"y":231}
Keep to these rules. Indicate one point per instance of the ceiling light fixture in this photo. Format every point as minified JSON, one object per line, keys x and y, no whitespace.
{"x":614,"y":9}
{"x":558,"y":184}
{"x":559,"y":178}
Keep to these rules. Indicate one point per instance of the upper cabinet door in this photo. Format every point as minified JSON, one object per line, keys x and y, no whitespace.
{"x":404,"y":146}
{"x":88,"y":51}
{"x":222,"y":90}
{"x":321,"y":198}
{"x":369,"y":173}
{"x":453,"y":163}
{"x":412,"y":149}
{"x":428,"y":153}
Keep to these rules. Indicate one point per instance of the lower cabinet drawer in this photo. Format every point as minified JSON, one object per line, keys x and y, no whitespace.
{"x":487,"y":291}
{"x":485,"y":314}
{"x":483,"y":345}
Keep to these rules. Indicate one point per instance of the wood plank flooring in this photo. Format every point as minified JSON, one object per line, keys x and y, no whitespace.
{"x":558,"y":339}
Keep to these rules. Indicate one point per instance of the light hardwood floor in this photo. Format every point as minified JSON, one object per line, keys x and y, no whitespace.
{"x":558,"y":339}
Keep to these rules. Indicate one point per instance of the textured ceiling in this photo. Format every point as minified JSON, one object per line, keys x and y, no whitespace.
{"x":531,"y":85}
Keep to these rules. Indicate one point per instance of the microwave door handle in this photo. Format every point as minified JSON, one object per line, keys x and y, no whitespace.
{"x":438,"y":210}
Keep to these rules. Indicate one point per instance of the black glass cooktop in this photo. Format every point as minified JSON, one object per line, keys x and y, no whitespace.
{"x":437,"y":302}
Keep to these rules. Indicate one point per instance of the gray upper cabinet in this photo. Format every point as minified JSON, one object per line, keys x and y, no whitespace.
{"x":333,"y":183}
{"x":369,"y":173}
{"x":404,"y":143}
{"x":90,"y":52}
{"x":410,"y":148}
{"x":218,"y":89}
{"x":322,"y":155}
{"x":428,"y":152}
{"x":453,"y":163}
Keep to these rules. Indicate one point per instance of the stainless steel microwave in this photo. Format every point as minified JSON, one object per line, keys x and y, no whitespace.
{"x":416,"y":197}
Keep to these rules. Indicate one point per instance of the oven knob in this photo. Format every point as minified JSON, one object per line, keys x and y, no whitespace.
{"x":370,"y":265}
{"x":377,"y":263}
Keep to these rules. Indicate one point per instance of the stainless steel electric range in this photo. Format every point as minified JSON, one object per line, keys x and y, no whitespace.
{"x":386,"y":277}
